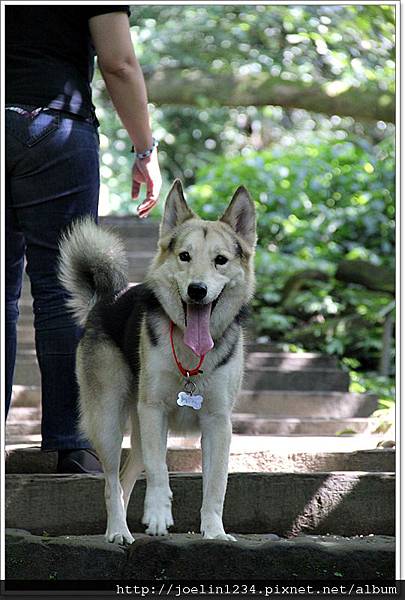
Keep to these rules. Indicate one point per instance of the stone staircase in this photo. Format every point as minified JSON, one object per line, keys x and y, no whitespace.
{"x":304,"y":499}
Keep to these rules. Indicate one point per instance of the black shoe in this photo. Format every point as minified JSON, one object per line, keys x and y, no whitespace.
{"x":81,"y":460}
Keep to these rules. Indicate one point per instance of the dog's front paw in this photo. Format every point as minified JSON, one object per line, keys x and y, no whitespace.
{"x":212,"y":529}
{"x":158,"y":510}
{"x":157,"y":520}
{"x":119,"y":535}
{"x":219,"y":536}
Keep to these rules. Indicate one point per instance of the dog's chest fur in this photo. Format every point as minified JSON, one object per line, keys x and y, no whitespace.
{"x":139,"y":327}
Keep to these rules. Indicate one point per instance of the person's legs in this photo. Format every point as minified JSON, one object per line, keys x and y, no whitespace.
{"x":56,"y":334}
{"x":14,"y":255}
{"x":54,"y":181}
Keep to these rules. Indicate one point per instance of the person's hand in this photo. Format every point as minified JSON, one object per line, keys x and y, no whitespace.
{"x":147,"y":171}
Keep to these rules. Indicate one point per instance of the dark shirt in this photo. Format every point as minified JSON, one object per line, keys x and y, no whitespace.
{"x":50,"y":56}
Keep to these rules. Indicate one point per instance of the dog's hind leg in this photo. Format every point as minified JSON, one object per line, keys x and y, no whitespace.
{"x":107,"y":440}
{"x":104,"y":386}
{"x":133,"y":465}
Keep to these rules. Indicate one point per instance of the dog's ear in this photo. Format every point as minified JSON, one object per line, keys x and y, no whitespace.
{"x":176,"y":209}
{"x":241,"y":215}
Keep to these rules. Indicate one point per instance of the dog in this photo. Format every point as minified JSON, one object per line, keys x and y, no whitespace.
{"x":137,"y":358}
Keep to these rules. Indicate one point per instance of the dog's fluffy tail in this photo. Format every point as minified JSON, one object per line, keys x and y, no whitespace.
{"x":92,"y":265}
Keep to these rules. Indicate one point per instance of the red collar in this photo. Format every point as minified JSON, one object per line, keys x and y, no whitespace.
{"x":185,"y":372}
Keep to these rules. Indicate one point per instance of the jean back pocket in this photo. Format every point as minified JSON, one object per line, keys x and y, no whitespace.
{"x":42,"y":126}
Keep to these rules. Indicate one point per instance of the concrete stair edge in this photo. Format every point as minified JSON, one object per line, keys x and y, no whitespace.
{"x":243,"y":423}
{"x":339,"y":503}
{"x":33,"y":460}
{"x":188,"y":556}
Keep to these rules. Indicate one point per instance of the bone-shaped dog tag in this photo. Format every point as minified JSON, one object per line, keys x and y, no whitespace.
{"x":185,"y":399}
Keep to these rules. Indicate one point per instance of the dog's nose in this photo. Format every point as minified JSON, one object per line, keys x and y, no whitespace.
{"x":197,"y":291}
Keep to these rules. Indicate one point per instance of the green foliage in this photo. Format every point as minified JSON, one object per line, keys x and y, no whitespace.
{"x":326,"y":201}
{"x":323,"y":185}
{"x":316,"y":205}
{"x":350,"y":44}
{"x":384,"y":388}
{"x":323,"y":45}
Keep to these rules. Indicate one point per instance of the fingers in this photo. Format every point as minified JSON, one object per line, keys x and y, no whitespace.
{"x":150,"y":200}
{"x":146,"y":171}
{"x":136,"y":186}
{"x":144,"y":209}
{"x":146,"y":175}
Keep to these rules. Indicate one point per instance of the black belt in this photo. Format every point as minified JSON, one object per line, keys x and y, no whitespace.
{"x":69,"y":115}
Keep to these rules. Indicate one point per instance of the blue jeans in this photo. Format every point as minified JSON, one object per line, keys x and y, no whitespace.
{"x":52,"y":178}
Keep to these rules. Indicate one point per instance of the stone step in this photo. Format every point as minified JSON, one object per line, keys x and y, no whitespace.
{"x":334,"y":405}
{"x":26,"y":351}
{"x":254,"y":359}
{"x":25,"y":335}
{"x":139,"y":262}
{"x":136,"y":245}
{"x":22,"y":429}
{"x":25,"y":430}
{"x":131,"y":227}
{"x":266,"y":356}
{"x":26,"y":355}
{"x":140,"y":256}
{"x":275,"y":404}
{"x":23,"y":413}
{"x":284,"y":360}
{"x":24,"y":423}
{"x":278,"y":445}
{"x":287,"y":360}
{"x":242,"y":459}
{"x":260,"y":378}
{"x":252,"y":424}
{"x":26,"y":420}
{"x":25,"y":395}
{"x":189,"y":557}
{"x":281,"y":378}
{"x":26,"y":317}
{"x":130,"y":224}
{"x":27,"y":372}
{"x":340,"y":503}
{"x":268,"y":347}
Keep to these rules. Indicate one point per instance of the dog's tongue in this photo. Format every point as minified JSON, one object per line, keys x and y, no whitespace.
{"x":197,"y":335}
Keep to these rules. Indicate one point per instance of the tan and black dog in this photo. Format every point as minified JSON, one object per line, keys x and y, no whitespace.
{"x":144,"y":346}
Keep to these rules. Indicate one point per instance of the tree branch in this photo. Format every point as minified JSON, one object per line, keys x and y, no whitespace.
{"x":195,"y":87}
{"x":373,"y":277}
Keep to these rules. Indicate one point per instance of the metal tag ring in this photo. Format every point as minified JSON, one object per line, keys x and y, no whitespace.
{"x":190,"y":387}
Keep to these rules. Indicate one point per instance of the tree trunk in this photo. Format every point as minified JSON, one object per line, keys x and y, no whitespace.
{"x":199,"y":88}
{"x":385,"y":360}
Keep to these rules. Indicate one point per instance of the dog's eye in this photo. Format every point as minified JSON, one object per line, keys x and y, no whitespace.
{"x":220,"y":260}
{"x":184,"y":256}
